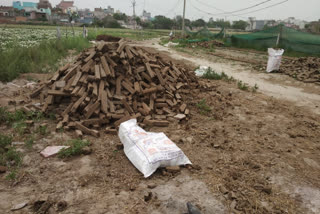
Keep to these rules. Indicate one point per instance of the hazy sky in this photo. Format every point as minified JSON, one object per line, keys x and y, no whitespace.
{"x":308,"y":10}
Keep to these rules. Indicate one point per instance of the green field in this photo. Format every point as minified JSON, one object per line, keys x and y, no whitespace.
{"x":34,"y":48}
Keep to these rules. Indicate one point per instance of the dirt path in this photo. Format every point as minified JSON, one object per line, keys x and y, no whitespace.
{"x":275,"y":85}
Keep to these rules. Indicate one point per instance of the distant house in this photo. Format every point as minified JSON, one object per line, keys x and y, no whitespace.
{"x":99,"y":13}
{"x":6,"y":11}
{"x":34,"y":10}
{"x":65,"y":5}
{"x":294,"y":23}
{"x":256,"y":24}
{"x":314,"y":27}
{"x":146,"y":16}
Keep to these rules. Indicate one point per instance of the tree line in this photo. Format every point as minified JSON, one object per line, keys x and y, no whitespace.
{"x":162,"y":22}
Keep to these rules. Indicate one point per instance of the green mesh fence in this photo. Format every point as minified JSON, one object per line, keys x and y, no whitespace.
{"x":290,"y":40}
{"x":203,"y":35}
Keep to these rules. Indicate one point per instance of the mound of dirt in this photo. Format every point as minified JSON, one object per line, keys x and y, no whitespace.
{"x":107,"y":38}
{"x":114,"y":82}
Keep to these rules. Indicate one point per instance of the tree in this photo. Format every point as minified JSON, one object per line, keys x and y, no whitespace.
{"x":199,"y":23}
{"x":219,"y":23}
{"x":178,"y":22}
{"x":120,"y":16}
{"x":240,"y":25}
{"x":108,"y":22}
{"x":162,"y":22}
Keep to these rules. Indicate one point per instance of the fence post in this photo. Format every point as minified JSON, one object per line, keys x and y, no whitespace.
{"x":85,"y":32}
{"x":58,"y":33}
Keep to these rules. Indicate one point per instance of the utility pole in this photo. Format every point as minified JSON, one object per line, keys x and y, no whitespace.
{"x":184,"y":15}
{"x":134,"y":13}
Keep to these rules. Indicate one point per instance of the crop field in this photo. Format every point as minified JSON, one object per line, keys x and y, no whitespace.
{"x":28,"y":35}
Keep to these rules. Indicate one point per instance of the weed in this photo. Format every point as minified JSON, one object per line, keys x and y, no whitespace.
{"x":13,"y":156}
{"x":212,"y":75}
{"x":20,"y":127}
{"x":76,"y":148}
{"x":12,"y":175}
{"x":203,"y":107}
{"x":29,"y":142}
{"x":255,"y":88}
{"x":243,"y":86}
{"x":43,"y":130}
{"x":5,"y":141}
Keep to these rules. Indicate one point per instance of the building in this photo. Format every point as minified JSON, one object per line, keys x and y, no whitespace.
{"x":256,"y":24}
{"x":294,"y":23}
{"x":45,"y":4}
{"x":33,"y":10}
{"x":314,"y":27}
{"x":99,"y":13}
{"x":65,"y":5}
{"x":109,"y":10}
{"x":6,"y":11}
{"x":146,"y":16}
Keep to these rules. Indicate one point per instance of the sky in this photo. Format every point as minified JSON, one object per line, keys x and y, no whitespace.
{"x":307,"y":10}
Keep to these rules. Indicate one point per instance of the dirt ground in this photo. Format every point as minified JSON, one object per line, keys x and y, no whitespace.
{"x":253,"y":153}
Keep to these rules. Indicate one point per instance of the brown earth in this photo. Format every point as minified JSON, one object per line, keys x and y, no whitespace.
{"x":252,"y":153}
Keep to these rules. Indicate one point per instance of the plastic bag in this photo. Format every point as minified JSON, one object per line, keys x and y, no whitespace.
{"x":201,"y":71}
{"x":148,"y":151}
{"x":274,"y":60}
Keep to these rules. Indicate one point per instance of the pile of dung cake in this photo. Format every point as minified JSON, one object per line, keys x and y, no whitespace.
{"x":113,"y":82}
{"x":306,"y":69}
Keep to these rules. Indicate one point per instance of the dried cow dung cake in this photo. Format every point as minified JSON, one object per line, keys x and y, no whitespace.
{"x":113,"y":82}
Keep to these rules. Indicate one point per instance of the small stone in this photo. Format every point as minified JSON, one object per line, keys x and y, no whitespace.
{"x":173,"y":169}
{"x":152,"y":186}
{"x":86,"y":150}
{"x":3,"y":169}
{"x":62,"y":205}
{"x":232,"y":195}
{"x":267,"y":190}
{"x":180,"y":116}
{"x":223,"y":190}
{"x":18,"y":143}
{"x":147,"y":196}
{"x":19,"y":206}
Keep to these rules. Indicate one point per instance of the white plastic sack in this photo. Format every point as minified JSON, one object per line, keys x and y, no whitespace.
{"x":148,"y":151}
{"x":201,"y":70}
{"x":274,"y":60}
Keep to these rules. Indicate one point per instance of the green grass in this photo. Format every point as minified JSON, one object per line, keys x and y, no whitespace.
{"x":243,"y":86}
{"x":75,"y":149}
{"x":255,"y":88}
{"x":37,"y":59}
{"x":203,"y":107}
{"x":9,"y":156}
{"x":212,"y":75}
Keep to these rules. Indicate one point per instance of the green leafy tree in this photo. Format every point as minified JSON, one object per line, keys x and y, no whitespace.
{"x":198,"y":23}
{"x":240,"y":25}
{"x":120,"y":16}
{"x":162,"y":22}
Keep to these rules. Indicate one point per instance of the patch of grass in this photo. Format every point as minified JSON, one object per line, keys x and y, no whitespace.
{"x":20,"y":127}
{"x":12,"y":175}
{"x":29,"y":142}
{"x":9,"y":156}
{"x":76,"y":148}
{"x":243,"y":86}
{"x":255,"y":88}
{"x":203,"y":107}
{"x":43,"y":129}
{"x":212,"y":75}
{"x":38,"y":59}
